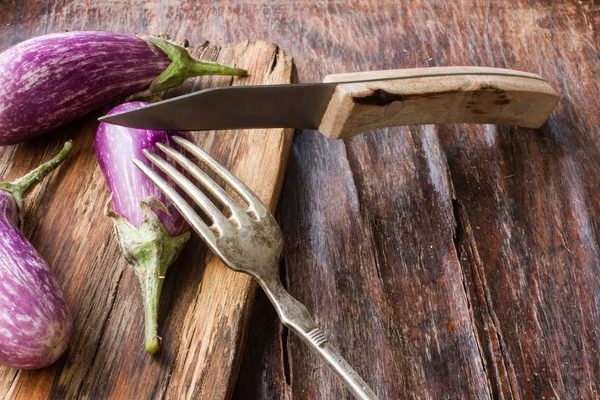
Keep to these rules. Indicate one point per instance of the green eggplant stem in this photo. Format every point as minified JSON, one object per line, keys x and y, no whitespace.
{"x":151,"y":281}
{"x":21,"y":187}
{"x":150,"y":250}
{"x":183,"y":66}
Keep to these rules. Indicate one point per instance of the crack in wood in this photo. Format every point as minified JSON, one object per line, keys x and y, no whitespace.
{"x":378,"y":97}
{"x":275,"y":60}
{"x":458,"y":237}
{"x":285,"y":343}
{"x":490,"y":330}
{"x":177,"y":351}
{"x":113,"y":300}
{"x":13,"y":383}
{"x":356,"y":192}
{"x":285,"y":354}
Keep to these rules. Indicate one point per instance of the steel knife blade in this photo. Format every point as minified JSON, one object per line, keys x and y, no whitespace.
{"x":347,"y":104}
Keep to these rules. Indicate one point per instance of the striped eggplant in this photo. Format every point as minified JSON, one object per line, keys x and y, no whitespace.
{"x":35,"y":323}
{"x":49,"y":81}
{"x":150,"y":230}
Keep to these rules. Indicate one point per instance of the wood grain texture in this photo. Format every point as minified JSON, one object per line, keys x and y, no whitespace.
{"x":436,"y":95}
{"x":205,"y":307}
{"x":444,"y":262}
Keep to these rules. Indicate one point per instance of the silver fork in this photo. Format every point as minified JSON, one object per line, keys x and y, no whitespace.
{"x":248,"y":241}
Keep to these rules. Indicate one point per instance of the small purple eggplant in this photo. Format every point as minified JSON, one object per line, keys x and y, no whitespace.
{"x":151,"y":231}
{"x":35,"y":323}
{"x":49,"y":81}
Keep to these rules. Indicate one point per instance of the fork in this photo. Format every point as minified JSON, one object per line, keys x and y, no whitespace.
{"x":248,"y":241}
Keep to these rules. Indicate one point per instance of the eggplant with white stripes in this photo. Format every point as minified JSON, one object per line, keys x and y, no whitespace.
{"x":49,"y":81}
{"x":35,"y":323}
{"x":150,"y":230}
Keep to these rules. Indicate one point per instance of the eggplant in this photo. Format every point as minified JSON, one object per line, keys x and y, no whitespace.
{"x":49,"y":81}
{"x":150,"y":230}
{"x":35,"y":323}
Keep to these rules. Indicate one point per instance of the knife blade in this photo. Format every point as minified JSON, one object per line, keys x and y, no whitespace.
{"x":347,"y":104}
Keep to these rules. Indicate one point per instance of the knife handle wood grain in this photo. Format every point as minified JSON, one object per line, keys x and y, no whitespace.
{"x":436,"y":95}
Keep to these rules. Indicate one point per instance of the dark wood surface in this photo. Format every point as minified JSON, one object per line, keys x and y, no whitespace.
{"x":444,"y":262}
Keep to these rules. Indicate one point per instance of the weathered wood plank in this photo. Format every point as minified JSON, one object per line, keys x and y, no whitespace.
{"x":524,"y":248}
{"x":531,"y":202}
{"x":415,"y":324}
{"x":265,"y":370}
{"x":511,"y":237}
{"x":528,"y":209}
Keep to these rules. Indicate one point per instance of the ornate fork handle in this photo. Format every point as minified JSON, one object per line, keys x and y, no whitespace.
{"x":296,"y":317}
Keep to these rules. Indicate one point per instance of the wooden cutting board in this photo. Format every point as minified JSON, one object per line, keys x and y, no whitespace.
{"x":205,"y":307}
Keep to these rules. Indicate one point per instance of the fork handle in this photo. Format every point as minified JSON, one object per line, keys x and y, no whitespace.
{"x":296,"y":317}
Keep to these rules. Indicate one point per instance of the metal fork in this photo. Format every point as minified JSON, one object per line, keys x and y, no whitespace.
{"x":248,"y":241}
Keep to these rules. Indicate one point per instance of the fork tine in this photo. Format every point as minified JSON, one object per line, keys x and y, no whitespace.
{"x":184,"y":208}
{"x":206,"y":181}
{"x":255,"y":203}
{"x":219,"y":220}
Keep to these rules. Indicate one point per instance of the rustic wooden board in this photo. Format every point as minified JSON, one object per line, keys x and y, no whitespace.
{"x":205,"y":307}
{"x":450,"y":261}
{"x":465,"y":259}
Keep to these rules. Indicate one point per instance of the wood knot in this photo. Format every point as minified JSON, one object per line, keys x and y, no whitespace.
{"x":379,"y":97}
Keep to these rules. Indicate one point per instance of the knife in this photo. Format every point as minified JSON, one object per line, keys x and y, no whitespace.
{"x":345,"y":105}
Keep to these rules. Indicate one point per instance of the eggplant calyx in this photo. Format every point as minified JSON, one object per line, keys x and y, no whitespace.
{"x":183,"y":65}
{"x":150,"y":250}
{"x":21,"y":187}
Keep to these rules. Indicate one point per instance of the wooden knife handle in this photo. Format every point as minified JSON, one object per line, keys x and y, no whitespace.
{"x":436,"y":95}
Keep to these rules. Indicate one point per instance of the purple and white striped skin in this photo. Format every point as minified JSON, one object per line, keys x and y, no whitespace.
{"x":35,"y":323}
{"x":150,"y":238}
{"x":49,"y":81}
{"x":115,"y":147}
